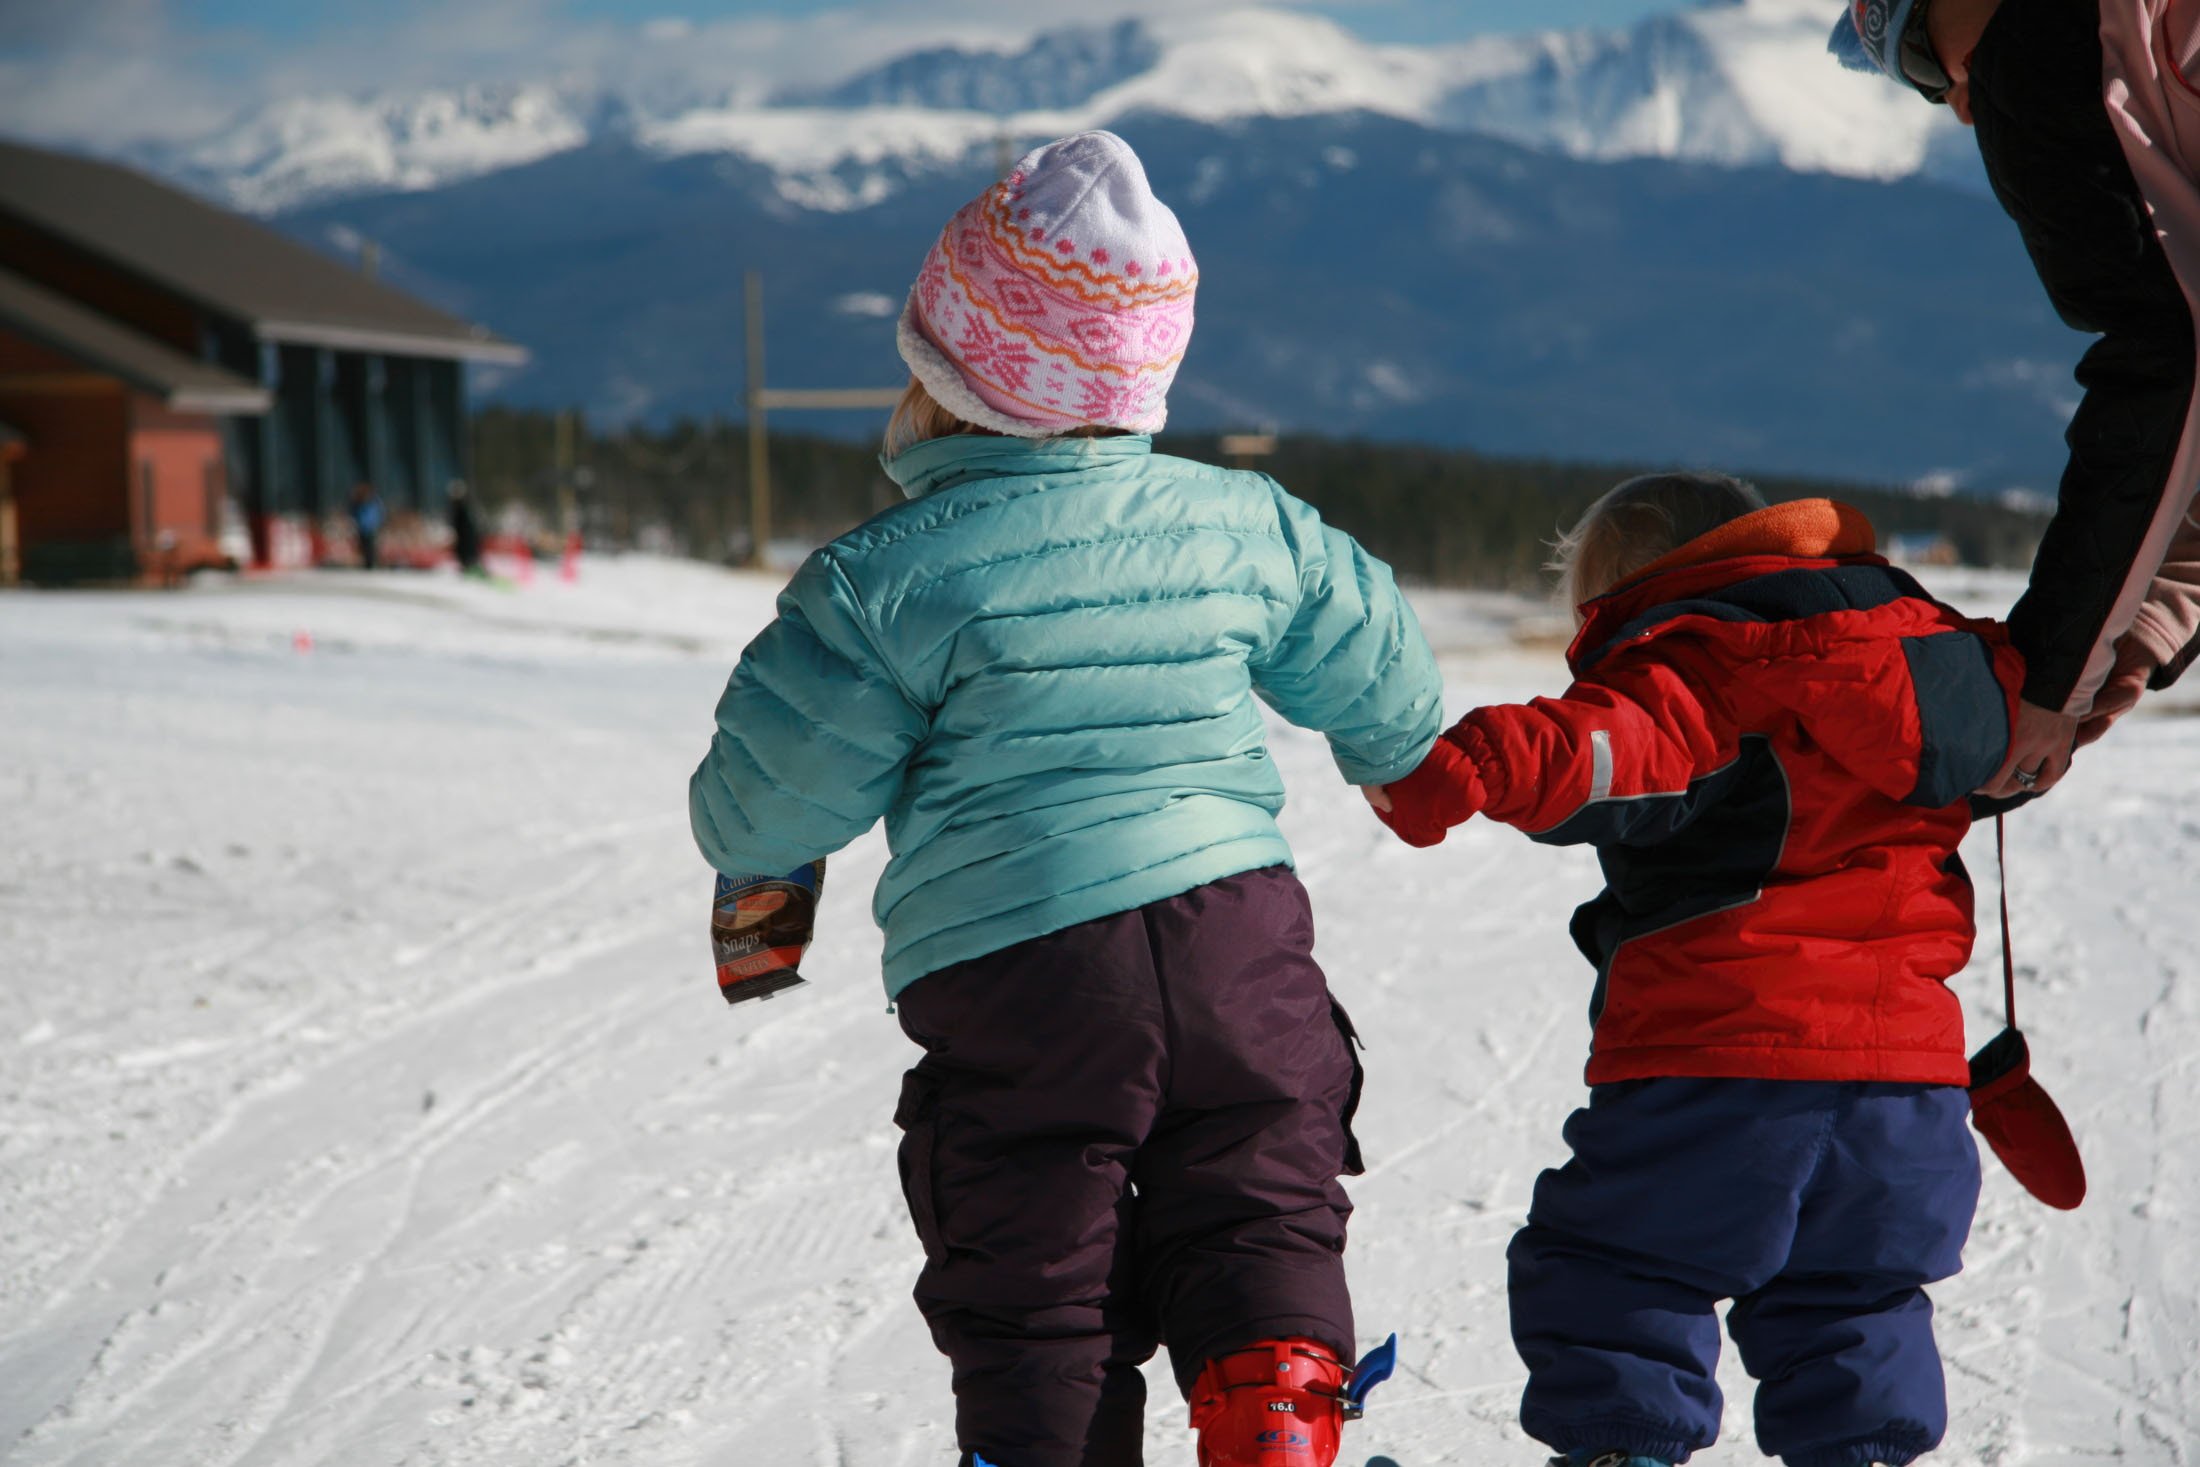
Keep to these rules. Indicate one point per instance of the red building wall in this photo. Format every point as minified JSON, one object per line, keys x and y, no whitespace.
{"x":178,"y":480}
{"x":70,"y":511}
{"x":111,"y":485}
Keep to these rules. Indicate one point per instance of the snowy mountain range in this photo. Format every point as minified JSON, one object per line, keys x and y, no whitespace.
{"x":1730,"y":82}
{"x":1362,"y":274}
{"x":1661,"y":244}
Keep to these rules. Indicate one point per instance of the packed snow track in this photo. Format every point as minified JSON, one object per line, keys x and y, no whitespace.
{"x":365,"y":1097}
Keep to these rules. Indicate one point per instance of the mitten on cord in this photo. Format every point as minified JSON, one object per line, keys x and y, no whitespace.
{"x":2020,"y":1121}
{"x":1445,"y":791}
{"x":759,"y":928}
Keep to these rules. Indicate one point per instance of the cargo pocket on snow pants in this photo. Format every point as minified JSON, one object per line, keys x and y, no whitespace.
{"x":918,"y":1116}
{"x":1354,"y":1165}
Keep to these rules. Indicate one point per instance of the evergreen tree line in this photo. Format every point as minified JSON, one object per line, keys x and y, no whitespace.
{"x":682,"y":488}
{"x":1441,"y":516}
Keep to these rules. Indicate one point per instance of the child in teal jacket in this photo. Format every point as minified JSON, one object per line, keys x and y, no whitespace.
{"x":1042,"y":672}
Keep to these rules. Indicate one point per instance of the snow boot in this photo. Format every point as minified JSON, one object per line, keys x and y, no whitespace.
{"x":1607,"y":1459}
{"x":1277,"y":1403}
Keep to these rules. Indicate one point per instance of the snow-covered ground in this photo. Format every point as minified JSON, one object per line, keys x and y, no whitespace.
{"x":365,"y":1097}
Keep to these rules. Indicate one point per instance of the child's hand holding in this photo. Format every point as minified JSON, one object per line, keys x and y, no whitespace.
{"x":1445,"y":791}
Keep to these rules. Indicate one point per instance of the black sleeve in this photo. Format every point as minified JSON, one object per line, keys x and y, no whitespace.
{"x":2057,"y":167}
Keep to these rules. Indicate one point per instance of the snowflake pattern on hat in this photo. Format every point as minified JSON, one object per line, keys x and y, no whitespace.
{"x":1059,"y":298}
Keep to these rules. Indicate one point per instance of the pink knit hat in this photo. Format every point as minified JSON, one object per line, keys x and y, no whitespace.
{"x":1058,"y":298}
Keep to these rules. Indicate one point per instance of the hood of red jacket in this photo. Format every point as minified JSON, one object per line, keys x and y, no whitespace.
{"x":1802,"y":534}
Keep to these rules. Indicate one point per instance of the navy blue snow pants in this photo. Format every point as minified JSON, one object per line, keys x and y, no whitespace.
{"x":1123,"y":1133}
{"x":1821,"y":1209}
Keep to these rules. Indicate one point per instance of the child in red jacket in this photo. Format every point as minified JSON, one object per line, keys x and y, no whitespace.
{"x":1770,"y":739}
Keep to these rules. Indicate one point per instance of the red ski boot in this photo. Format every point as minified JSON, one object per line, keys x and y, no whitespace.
{"x":1279,"y":1403}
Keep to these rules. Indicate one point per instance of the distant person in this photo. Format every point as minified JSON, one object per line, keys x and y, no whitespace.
{"x":465,"y":530}
{"x":2086,"y":123}
{"x":1771,"y":739}
{"x":1045,"y":672}
{"x":366,"y":521}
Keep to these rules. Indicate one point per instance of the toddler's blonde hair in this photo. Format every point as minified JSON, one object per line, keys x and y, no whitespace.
{"x":919,"y":417}
{"x":1640,"y":521}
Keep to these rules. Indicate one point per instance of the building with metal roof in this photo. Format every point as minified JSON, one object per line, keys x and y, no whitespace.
{"x":183,"y":383}
{"x":165,"y":360}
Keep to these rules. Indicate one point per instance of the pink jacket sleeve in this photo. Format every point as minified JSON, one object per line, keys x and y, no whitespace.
{"x":2168,"y":624}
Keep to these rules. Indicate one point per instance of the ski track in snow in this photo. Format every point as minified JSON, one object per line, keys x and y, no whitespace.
{"x":364,"y":1099}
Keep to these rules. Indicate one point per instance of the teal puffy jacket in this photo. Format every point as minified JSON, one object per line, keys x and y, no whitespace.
{"x":1041,"y":673}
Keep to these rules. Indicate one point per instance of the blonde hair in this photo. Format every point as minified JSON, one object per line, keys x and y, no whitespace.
{"x":918,"y":417}
{"x":1639,"y":522}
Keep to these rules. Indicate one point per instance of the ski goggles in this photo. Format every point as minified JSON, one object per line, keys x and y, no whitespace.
{"x":1890,"y":35}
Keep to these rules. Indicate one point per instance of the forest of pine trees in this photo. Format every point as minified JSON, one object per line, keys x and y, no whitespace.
{"x":1441,"y":516}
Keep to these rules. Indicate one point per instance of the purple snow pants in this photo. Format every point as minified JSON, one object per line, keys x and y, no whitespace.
{"x":1125,"y":1133}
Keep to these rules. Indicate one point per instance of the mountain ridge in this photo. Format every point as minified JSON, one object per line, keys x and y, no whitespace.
{"x":1364,"y":274}
{"x":1664,"y":242}
{"x":1735,"y":82}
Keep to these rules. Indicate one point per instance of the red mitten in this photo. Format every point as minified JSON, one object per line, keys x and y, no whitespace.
{"x":1445,"y":791}
{"x":2022,"y":1124}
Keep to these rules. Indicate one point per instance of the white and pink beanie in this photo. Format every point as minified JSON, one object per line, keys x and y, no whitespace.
{"x":1059,"y":298}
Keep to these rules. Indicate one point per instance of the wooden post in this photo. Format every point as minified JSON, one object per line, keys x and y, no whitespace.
{"x":568,"y":521}
{"x":762,"y":400}
{"x":760,"y":481}
{"x":11,"y":555}
{"x":1242,"y":448}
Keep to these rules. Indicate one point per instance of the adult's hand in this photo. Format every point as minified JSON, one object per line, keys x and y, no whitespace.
{"x":2040,"y":746}
{"x":2127,"y":683}
{"x":1954,"y":28}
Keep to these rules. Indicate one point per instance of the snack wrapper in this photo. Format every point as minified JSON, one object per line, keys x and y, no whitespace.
{"x":760,"y":926}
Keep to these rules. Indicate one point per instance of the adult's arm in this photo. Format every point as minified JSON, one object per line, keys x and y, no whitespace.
{"x":2057,"y":158}
{"x":2084,"y":164}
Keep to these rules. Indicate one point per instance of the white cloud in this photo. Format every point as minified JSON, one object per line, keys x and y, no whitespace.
{"x":106,"y":101}
{"x":867,"y":303}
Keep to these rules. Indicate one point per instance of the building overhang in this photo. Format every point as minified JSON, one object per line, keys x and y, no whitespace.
{"x":221,"y":402}
{"x":107,"y":349}
{"x":225,"y":266}
{"x":482,"y":348}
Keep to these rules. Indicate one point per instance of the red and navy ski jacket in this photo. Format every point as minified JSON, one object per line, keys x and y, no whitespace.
{"x":1771,"y":740}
